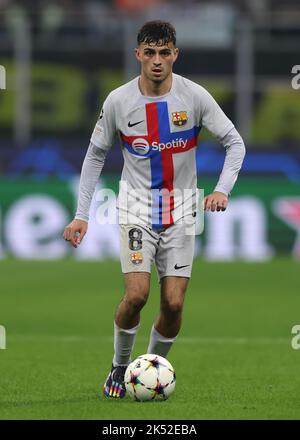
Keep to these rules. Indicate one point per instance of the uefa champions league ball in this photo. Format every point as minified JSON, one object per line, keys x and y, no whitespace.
{"x":150,"y":377}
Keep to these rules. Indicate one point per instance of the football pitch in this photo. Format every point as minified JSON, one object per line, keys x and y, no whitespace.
{"x":233,"y":357}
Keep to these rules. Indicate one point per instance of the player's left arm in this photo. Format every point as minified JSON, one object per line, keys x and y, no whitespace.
{"x":235,"y":153}
{"x":215,"y":120}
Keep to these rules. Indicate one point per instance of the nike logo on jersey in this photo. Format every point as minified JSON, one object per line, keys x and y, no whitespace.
{"x":180,"y":267}
{"x":135,"y":123}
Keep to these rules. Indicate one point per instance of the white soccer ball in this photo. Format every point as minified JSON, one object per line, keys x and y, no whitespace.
{"x":150,"y":377}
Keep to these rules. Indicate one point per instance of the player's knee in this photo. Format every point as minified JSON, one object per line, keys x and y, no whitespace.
{"x":136,"y":303}
{"x":172,"y":301}
{"x":136,"y":300}
{"x":172,"y":306}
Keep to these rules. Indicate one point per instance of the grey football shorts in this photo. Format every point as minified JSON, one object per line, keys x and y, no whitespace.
{"x":171,"y":250}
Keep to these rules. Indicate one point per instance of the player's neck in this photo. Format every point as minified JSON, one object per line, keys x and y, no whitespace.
{"x":151,"y":88}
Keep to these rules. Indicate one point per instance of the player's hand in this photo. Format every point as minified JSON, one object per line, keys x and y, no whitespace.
{"x":75,"y":231}
{"x":217,"y":201}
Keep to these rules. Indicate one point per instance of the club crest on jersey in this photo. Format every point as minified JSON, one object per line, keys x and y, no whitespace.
{"x":136,"y":258}
{"x":179,"y":118}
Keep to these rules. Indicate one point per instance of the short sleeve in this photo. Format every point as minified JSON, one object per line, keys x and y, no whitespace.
{"x":212,"y":116}
{"x":105,"y":128}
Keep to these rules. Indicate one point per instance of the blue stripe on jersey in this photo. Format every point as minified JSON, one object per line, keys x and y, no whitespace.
{"x":185,"y":135}
{"x":156,"y":164}
{"x":156,"y":170}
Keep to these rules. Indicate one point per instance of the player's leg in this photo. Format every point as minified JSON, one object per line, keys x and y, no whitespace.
{"x":138,"y":248}
{"x":126,"y":325}
{"x":127,"y":318}
{"x":168,"y":323}
{"x":174,"y":261}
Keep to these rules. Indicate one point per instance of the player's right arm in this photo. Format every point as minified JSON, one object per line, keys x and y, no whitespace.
{"x":90,"y":173}
{"x":101,"y":141}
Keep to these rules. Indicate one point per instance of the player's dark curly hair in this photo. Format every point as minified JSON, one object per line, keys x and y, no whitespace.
{"x":156,"y":32}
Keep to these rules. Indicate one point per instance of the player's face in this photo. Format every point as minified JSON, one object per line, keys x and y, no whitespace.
{"x":156,"y":60}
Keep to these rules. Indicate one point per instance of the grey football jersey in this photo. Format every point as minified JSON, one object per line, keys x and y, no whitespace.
{"x":159,"y":138}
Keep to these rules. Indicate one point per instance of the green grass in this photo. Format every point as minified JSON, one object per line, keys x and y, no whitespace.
{"x":233,"y":357}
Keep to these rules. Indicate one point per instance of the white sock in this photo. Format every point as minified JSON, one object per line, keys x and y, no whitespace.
{"x":159,"y":344}
{"x":123,"y":343}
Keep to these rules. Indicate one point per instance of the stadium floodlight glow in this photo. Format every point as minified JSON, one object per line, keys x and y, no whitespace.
{"x":2,"y":78}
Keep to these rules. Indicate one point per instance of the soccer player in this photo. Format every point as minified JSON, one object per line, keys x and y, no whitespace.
{"x":157,"y":116}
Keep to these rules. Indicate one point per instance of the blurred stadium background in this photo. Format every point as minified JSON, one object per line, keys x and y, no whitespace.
{"x":61,"y":59}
